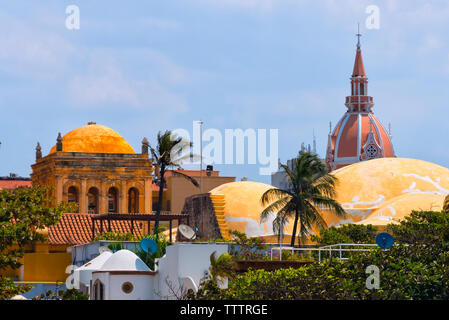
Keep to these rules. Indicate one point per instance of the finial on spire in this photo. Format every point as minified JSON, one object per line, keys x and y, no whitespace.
{"x":59,"y":142}
{"x":358,"y":34}
{"x":330,"y":127}
{"x":38,"y":151}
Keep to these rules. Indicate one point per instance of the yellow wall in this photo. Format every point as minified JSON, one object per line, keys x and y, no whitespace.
{"x":42,"y":263}
{"x":46,"y":266}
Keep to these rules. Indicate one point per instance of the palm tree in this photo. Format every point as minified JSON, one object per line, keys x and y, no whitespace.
{"x":221,"y":267}
{"x":446,"y":204}
{"x":168,"y":154}
{"x":310,"y":187}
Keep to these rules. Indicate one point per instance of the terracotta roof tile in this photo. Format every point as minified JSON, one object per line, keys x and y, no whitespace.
{"x":13,"y":184}
{"x":76,"y":228}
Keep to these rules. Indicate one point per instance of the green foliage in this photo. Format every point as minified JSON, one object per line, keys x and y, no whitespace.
{"x":350,"y":233}
{"x":23,"y":213}
{"x":221,"y":267}
{"x":115,"y":236}
{"x":70,"y":294}
{"x":424,"y":227}
{"x":406,"y":272}
{"x":150,"y":258}
{"x":311,"y":187}
{"x":245,"y":248}
{"x":116,"y":246}
{"x":417,"y":268}
{"x":8,"y":289}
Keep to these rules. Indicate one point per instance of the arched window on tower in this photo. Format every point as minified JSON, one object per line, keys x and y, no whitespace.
{"x":113,"y":200}
{"x":92,"y":200}
{"x":133,"y":200}
{"x":72,"y":196}
{"x":362,"y":89}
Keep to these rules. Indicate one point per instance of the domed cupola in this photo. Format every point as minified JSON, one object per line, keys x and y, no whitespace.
{"x":93,"y":138}
{"x":358,"y":136}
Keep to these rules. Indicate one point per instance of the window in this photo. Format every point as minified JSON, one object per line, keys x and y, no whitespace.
{"x":72,"y":196}
{"x":92,"y":200}
{"x":127,"y":287}
{"x":112,"y":200}
{"x":98,"y":290}
{"x":133,"y":200}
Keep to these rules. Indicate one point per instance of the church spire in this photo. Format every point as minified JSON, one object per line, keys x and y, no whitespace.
{"x":359,"y":69}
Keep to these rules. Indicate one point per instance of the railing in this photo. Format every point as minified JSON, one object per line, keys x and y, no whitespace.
{"x":329,"y":248}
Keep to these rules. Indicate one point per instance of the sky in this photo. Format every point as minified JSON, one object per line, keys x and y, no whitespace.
{"x":140,"y":67}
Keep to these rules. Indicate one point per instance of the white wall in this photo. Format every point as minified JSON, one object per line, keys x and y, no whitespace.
{"x":143,"y":286}
{"x":185,"y":260}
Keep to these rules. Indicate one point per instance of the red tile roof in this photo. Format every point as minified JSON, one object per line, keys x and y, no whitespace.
{"x":13,"y":184}
{"x":76,"y":228}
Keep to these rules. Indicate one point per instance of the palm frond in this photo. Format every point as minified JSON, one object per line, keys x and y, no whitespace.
{"x":273,"y":194}
{"x":185,"y":176}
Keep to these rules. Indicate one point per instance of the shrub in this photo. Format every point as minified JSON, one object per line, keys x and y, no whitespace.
{"x":350,"y":233}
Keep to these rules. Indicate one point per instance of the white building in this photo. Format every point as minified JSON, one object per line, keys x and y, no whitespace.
{"x":124,"y":276}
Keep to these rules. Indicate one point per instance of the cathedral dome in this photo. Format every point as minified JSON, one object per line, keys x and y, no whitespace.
{"x":94,"y":138}
{"x":358,"y":136}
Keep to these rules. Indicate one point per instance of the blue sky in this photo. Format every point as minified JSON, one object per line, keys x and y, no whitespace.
{"x":140,"y":67}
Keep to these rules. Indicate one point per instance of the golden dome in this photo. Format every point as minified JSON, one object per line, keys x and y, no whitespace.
{"x":377,"y":192}
{"x":238,"y":203}
{"x":371,"y":186}
{"x":94,"y":138}
{"x":398,"y":208}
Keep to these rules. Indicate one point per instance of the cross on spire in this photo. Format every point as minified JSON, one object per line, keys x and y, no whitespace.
{"x":358,"y":35}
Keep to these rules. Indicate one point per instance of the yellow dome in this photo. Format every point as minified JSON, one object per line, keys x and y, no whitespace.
{"x":237,"y":205}
{"x":377,"y":192}
{"x":396,"y":209}
{"x":94,"y":138}
{"x":367,"y":187}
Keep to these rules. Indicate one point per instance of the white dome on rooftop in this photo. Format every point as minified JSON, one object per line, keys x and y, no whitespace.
{"x":124,"y":260}
{"x":96,"y":263}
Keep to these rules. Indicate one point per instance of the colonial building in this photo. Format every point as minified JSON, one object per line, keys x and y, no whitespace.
{"x":358,"y":136}
{"x":96,"y":168}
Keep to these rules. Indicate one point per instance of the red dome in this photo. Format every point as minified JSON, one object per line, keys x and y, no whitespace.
{"x":358,"y":135}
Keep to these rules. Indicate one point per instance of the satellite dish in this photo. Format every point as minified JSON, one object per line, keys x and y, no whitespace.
{"x":148,"y":245}
{"x":384,"y":240}
{"x":187,"y":232}
{"x":104,"y":249}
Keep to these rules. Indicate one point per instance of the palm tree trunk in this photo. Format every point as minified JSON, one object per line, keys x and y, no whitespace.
{"x":292,"y":243}
{"x":159,"y":203}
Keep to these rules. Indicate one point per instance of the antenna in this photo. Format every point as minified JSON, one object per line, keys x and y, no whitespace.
{"x":314,"y":142}
{"x":187,"y":232}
